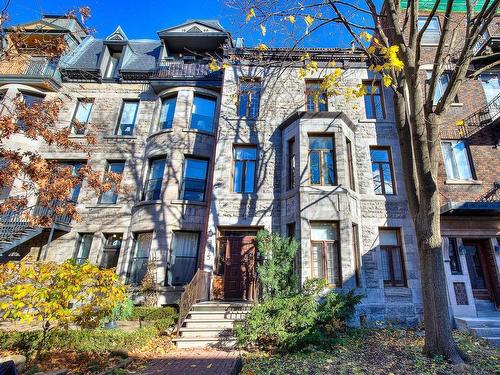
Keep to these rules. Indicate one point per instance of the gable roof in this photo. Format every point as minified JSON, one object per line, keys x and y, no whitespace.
{"x":212,"y":25}
{"x":117,"y":35}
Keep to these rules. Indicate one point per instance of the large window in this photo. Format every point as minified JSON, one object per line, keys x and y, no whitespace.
{"x":290,"y":164}
{"x":392,"y":257}
{"x":316,"y":98}
{"x":111,"y":249}
{"x":433,"y":31}
{"x":249,"y":99}
{"x":112,"y":68}
{"x":184,"y":257}
{"x":152,"y":187}
{"x":456,"y":160}
{"x":350,"y":165}
{"x":244,"y":169}
{"x":383,"y":174}
{"x":202,"y":117}
{"x":167,"y":112}
{"x":128,"y":116}
{"x":29,"y":100}
{"x":140,"y":258}
{"x":325,"y":252}
{"x":321,"y":160}
{"x":441,"y":86}
{"x":374,"y":100}
{"x":491,"y":87}
{"x":75,"y":168}
{"x":194,"y":179}
{"x":82,"y":116}
{"x":83,"y":245}
{"x":110,"y":196}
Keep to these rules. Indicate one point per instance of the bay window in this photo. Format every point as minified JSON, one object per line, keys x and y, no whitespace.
{"x":184,"y":257}
{"x":321,"y":159}
{"x":325,"y":257}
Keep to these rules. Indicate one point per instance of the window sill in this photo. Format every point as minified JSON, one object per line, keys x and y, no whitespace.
{"x":402,"y":291}
{"x":429,"y":44}
{"x":147,"y":203}
{"x":77,"y":136}
{"x":158,"y":132}
{"x":105,"y":205}
{"x":198,"y":131}
{"x":120,"y":137}
{"x":456,"y":104}
{"x":374,"y":120}
{"x":463,"y":182}
{"x":183,"y":202}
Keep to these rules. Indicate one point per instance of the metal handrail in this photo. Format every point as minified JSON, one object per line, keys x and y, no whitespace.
{"x":197,"y":290}
{"x":481,"y":118}
{"x":180,"y":69}
{"x":41,"y":67}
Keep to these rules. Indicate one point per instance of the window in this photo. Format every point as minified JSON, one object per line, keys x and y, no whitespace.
{"x":383,"y":174}
{"x":316,"y":98}
{"x":110,"y":196}
{"x":112,"y":67}
{"x":152,"y":188}
{"x":374,"y":100}
{"x":392,"y":257}
{"x":325,"y":253}
{"x":111,"y":249}
{"x":433,"y":32}
{"x":321,"y":161}
{"x":167,"y":112}
{"x":202,"y":117}
{"x":184,"y":257}
{"x":249,"y":98}
{"x":291,"y":164}
{"x":491,"y":87}
{"x":194,"y":179}
{"x":350,"y":165}
{"x":29,"y":99}
{"x":456,"y":160}
{"x":75,"y":168}
{"x":83,"y":246}
{"x":128,"y":115}
{"x":244,"y":169}
{"x":441,"y":86}
{"x":357,"y":256}
{"x":5,"y":178}
{"x":140,"y":258}
{"x":455,"y":266}
{"x":290,"y":230}
{"x":82,"y":115}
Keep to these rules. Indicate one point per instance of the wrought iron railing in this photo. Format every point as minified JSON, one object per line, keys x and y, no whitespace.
{"x":197,"y":290}
{"x":180,"y":69}
{"x":479,"y":119}
{"x":32,"y":67}
{"x":13,"y":223}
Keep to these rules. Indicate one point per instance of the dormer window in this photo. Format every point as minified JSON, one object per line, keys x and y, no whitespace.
{"x":112,"y":68}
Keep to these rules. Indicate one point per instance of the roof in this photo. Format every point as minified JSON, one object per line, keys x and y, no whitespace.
{"x":459,"y":6}
{"x":212,"y":24}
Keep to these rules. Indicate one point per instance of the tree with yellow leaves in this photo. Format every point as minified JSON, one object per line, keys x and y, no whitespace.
{"x":57,"y":295}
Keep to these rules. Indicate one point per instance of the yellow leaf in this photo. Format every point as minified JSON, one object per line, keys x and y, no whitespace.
{"x":291,"y":19}
{"x":263,"y":29}
{"x":365,"y":36}
{"x":309,"y":20}
{"x":371,"y":49}
{"x":250,"y":15}
{"x":262,"y":47}
{"x":459,"y":123}
{"x":387,"y":81}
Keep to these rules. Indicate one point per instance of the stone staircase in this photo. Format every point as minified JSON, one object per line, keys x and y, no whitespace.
{"x":486,"y":325}
{"x":210,"y":324}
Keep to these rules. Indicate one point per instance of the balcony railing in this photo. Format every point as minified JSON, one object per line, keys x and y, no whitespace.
{"x":167,"y":69}
{"x":32,"y":67}
{"x":479,"y":119}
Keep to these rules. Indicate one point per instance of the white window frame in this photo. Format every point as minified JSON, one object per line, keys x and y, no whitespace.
{"x":452,"y":167}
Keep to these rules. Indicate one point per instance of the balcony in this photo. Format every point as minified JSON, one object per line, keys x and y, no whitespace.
{"x":170,"y":73}
{"x":34,"y":71}
{"x":490,"y":39}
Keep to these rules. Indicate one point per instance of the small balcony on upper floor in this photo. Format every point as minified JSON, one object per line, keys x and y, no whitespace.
{"x":40,"y":72}
{"x":172,"y":73}
{"x":489,"y":41}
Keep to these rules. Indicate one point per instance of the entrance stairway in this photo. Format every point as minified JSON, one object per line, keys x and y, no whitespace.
{"x":486,"y":325}
{"x":210,"y":324}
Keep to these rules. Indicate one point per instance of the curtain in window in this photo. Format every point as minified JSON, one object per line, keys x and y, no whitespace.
{"x":184,"y":258}
{"x":141,"y":256}
{"x":456,"y":160}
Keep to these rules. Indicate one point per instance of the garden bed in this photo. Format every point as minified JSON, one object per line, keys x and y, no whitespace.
{"x":373,"y":352}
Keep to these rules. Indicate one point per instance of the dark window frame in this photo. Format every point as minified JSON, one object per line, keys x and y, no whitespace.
{"x":79,"y":243}
{"x":214,"y":115}
{"x":368,"y":85}
{"x":357,"y":254}
{"x":322,"y":152}
{"x":454,"y":256}
{"x":350,"y":165}
{"x":380,"y":169}
{"x":244,"y":169}
{"x":291,"y":164}
{"x":133,"y":256}
{"x":108,"y":170}
{"x":170,"y":266}
{"x":74,"y":129}
{"x":317,"y":94}
{"x":255,"y":90}
{"x":390,"y":250}
{"x":336,"y":244}
{"x":149,"y":179}
{"x":161,"y":123}
{"x":119,"y":124}
{"x":182,"y":185}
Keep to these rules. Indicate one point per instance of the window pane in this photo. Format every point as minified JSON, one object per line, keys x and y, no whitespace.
{"x":379,"y":111}
{"x":320,"y":143}
{"x":323,"y":102}
{"x":195,"y":173}
{"x":249,"y":177}
{"x":82,"y":115}
{"x":454,"y":256}
{"x":111,"y":250}
{"x":152,"y":190}
{"x":243,"y":104}
{"x":433,"y":31}
{"x":386,"y":274}
{"x":462,"y":161}
{"x":110,"y":196}
{"x":112,"y":65}
{"x":379,"y":154}
{"x":318,"y":260}
{"x":449,"y":161}
{"x":245,"y":153}
{"x":332,"y":263}
{"x":127,"y":119}
{"x":254,"y":104}
{"x":397,"y":267}
{"x":184,"y":257}
{"x":167,"y":112}
{"x":29,"y":100}
{"x":238,"y":175}
{"x":324,"y":231}
{"x":202,"y":117}
{"x":377,"y":178}
{"x":314,"y":168}
{"x":388,"y":187}
{"x":369,"y":110}
{"x":85,"y":243}
{"x":388,"y":237}
{"x":183,"y":271}
{"x":328,"y":169}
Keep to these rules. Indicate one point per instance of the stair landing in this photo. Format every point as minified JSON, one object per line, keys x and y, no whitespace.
{"x":485,"y":325}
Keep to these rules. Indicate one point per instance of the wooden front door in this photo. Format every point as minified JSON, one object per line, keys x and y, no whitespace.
{"x":478,"y":270}
{"x":239,"y":268}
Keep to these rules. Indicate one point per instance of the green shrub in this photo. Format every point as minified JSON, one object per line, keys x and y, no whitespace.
{"x":153,"y":313}
{"x":336,"y":309}
{"x":122,"y":311}
{"x":163,"y":325}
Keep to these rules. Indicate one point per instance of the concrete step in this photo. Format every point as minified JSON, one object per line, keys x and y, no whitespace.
{"x":196,"y":342}
{"x":215,"y":333}
{"x":221,"y":306}
{"x":486,"y":331}
{"x":217,"y":315}
{"x":211,"y":323}
{"x":468,"y":323}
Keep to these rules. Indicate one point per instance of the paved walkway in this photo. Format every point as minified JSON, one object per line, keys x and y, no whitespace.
{"x":195,"y":362}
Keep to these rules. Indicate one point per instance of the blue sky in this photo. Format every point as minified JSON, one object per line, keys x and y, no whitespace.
{"x":143,"y":18}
